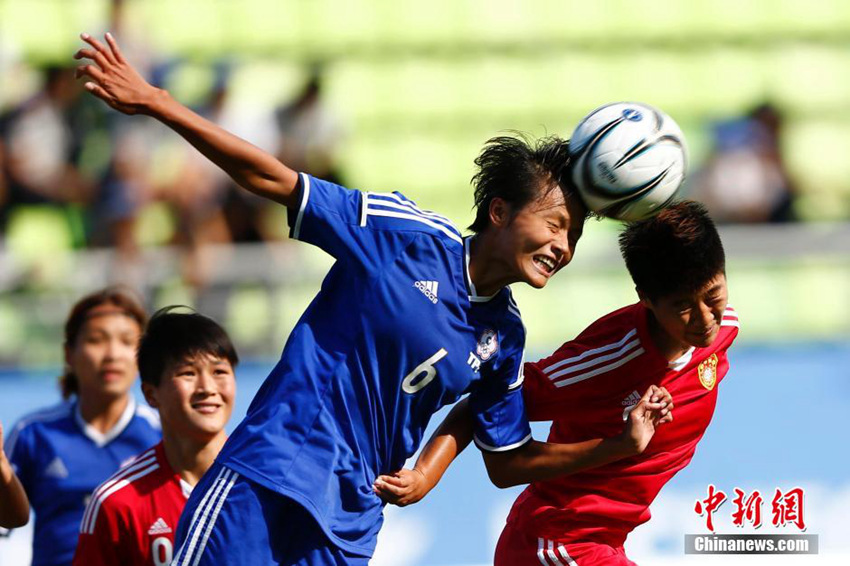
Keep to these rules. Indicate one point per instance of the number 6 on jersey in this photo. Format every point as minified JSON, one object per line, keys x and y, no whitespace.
{"x":426,"y":367}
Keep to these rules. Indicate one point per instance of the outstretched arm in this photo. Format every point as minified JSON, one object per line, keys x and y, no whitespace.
{"x":112,"y":79}
{"x":14,"y":505}
{"x":536,"y":461}
{"x":532,"y":461}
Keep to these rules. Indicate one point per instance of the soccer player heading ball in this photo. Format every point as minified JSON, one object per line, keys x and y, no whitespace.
{"x":676,"y":336}
{"x":411,"y":316}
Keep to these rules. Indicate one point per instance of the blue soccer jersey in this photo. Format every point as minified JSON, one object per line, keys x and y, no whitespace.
{"x":395,"y":333}
{"x":60,"y":459}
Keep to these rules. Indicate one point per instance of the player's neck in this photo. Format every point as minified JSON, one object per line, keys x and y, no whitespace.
{"x":102,"y":413}
{"x":485,"y":268}
{"x":189,"y":457}
{"x":669,"y":348}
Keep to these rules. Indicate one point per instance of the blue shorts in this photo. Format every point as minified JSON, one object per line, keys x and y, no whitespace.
{"x":232,"y":520}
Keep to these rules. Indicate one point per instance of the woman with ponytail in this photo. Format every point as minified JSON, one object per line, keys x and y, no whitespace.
{"x":61,"y":453}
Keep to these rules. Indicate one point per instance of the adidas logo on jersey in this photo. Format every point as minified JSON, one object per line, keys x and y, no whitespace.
{"x":429,"y":289}
{"x":56,"y":469}
{"x":160,"y":527}
{"x":630,"y":403}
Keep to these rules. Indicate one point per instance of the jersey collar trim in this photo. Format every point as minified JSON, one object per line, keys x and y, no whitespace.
{"x":474,"y":297}
{"x":102,"y":439}
{"x":682,"y":361}
{"x":304,"y":185}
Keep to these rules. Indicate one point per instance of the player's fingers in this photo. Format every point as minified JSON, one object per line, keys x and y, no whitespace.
{"x":94,"y":55}
{"x":91,"y":71}
{"x":395,"y":490}
{"x":98,"y":91}
{"x":653,"y":394}
{"x":395,"y":480}
{"x":113,"y":45}
{"x":98,"y":46}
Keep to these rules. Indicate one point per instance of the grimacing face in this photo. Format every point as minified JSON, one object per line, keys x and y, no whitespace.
{"x":194,"y":397}
{"x":540,"y":238}
{"x":692,"y":319}
{"x":103,"y":356}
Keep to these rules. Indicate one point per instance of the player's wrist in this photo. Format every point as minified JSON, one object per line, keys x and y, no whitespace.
{"x":625,"y":445}
{"x":425,"y":483}
{"x":156,"y":103}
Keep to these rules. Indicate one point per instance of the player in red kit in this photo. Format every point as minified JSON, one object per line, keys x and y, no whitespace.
{"x":186,"y":362}
{"x":676,"y":336}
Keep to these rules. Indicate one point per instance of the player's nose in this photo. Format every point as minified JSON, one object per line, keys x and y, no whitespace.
{"x":205,"y":383}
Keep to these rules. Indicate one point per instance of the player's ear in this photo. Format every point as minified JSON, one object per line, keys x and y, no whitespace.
{"x":149,"y":391}
{"x":499,"y":212}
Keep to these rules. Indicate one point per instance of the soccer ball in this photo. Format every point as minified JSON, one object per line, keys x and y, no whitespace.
{"x":628,"y":160}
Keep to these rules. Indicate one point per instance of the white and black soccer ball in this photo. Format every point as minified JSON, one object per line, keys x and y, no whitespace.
{"x":628,"y":160}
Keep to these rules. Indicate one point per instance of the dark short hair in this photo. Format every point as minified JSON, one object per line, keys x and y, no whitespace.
{"x":175,"y":336}
{"x":123,"y":299}
{"x":516,"y":168}
{"x":676,"y":251}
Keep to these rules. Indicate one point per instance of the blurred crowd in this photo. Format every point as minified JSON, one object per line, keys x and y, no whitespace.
{"x":745,"y":178}
{"x":107,"y":180}
{"x":102,"y":179}
{"x":98,"y":170}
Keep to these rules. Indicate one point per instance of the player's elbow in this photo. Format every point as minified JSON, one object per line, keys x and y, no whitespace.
{"x":15,"y":518}
{"x":499,"y":471}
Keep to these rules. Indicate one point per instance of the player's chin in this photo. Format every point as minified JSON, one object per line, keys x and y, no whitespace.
{"x":704,"y":340}
{"x":207,"y":427}
{"x":536,"y":277}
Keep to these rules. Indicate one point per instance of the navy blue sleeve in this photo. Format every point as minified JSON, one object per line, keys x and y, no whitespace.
{"x":333,"y":218}
{"x":366,"y":228}
{"x":497,"y":404}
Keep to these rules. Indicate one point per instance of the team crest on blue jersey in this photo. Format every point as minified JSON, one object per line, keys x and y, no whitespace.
{"x":488,"y":344}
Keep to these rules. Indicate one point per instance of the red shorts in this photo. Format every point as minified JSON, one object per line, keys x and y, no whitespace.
{"x":521,"y":548}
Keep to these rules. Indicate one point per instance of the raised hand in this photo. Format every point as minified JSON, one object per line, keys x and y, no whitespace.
{"x":653,"y":410}
{"x":112,"y":79}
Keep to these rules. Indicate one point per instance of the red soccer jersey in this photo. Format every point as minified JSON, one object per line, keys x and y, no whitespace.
{"x":587,"y":388}
{"x":131,"y":518}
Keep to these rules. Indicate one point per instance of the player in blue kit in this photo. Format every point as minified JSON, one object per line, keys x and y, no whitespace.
{"x":62,"y":453}
{"x":411,"y":316}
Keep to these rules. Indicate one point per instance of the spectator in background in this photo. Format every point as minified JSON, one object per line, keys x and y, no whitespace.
{"x":61,"y":453}
{"x":198,"y":192}
{"x":39,"y":147}
{"x":745,"y":179}
{"x":310,"y":132}
{"x":309,"y":137}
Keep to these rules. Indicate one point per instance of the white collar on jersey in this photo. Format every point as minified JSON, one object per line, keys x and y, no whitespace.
{"x":102,"y":439}
{"x":186,"y":488}
{"x":470,"y":286}
{"x":681,"y":361}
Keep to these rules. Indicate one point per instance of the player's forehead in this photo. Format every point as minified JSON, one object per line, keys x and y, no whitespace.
{"x":550,"y":201}
{"x":199,"y":359}
{"x":712,"y":287}
{"x":109,"y":318}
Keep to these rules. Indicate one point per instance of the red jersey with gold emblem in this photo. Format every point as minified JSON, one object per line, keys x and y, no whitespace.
{"x":131,"y":518}
{"x":587,"y":388}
